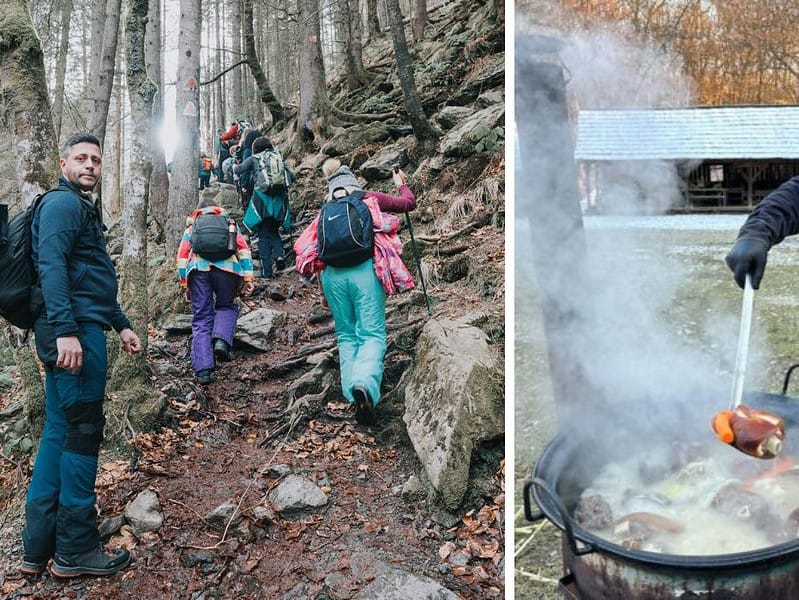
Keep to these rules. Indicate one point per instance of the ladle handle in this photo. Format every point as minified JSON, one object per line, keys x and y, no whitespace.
{"x":743,"y":344}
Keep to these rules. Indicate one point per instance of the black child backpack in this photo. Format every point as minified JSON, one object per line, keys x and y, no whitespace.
{"x":213,"y":237}
{"x":345,"y":231}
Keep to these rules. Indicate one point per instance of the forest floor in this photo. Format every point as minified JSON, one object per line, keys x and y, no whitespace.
{"x":221,"y":445}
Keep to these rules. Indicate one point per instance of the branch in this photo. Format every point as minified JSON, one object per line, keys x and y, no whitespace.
{"x":221,"y":73}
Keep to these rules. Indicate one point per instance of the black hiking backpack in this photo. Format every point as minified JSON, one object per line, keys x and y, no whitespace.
{"x":213,"y":237}
{"x":21,"y":299}
{"x":345,"y":232}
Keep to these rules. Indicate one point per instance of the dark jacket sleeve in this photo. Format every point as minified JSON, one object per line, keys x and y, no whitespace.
{"x":776,"y":216}
{"x":245,"y":165}
{"x":60,"y":219}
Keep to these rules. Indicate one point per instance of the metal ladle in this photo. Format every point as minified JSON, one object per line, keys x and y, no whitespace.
{"x":771,"y":444}
{"x":743,"y":344}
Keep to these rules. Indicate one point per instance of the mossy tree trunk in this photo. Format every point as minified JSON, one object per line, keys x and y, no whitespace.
{"x":25,"y":107}
{"x":314,"y":105}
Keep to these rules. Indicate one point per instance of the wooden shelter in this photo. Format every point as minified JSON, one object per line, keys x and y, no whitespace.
{"x":725,"y":157}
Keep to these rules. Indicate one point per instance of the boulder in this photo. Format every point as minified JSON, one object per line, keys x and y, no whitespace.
{"x":454,"y":401}
{"x":474,"y":132}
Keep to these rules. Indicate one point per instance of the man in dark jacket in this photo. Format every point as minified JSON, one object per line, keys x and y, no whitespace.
{"x":773,"y":219}
{"x":79,"y":286}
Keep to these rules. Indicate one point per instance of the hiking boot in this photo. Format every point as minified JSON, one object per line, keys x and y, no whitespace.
{"x":205,"y":376}
{"x":33,"y":567}
{"x":221,"y":350}
{"x":364,"y":411}
{"x":280,"y":264}
{"x":93,"y":562}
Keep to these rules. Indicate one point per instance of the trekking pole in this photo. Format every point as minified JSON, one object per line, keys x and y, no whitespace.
{"x":418,"y":263}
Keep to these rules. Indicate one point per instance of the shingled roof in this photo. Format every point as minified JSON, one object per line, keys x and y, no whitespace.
{"x":706,"y":133}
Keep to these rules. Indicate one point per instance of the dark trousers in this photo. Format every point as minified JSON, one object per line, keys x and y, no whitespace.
{"x":60,"y":509}
{"x":214,"y":313}
{"x":270,"y":246}
{"x":205,"y":180}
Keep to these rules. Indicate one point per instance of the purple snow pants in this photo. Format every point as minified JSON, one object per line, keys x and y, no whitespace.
{"x":211,"y":319}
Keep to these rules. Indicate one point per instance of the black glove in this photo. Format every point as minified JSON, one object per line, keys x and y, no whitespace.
{"x":748,"y":255}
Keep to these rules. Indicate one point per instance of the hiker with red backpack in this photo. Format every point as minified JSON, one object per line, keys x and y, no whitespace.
{"x":214,"y":266}
{"x":355,"y":249}
{"x":268,"y":210}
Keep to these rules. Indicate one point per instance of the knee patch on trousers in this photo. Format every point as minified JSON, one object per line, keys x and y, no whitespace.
{"x":85,"y":422}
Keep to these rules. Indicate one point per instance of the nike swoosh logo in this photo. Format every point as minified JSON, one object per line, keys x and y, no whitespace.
{"x":333,"y":217}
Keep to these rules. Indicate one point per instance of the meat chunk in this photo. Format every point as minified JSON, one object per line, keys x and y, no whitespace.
{"x":594,"y":512}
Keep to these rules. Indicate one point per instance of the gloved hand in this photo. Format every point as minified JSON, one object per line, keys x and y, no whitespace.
{"x":748,"y":255}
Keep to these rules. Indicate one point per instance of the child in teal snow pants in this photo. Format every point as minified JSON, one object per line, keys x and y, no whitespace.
{"x":358,"y":303}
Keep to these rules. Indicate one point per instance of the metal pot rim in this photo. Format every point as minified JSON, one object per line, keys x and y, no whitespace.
{"x":553,"y":510}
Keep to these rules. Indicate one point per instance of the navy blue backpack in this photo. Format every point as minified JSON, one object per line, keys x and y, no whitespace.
{"x":345,"y":233}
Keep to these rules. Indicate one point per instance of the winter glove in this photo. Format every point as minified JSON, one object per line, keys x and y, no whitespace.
{"x":748,"y":255}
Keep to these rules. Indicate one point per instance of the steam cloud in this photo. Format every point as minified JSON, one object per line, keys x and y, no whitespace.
{"x":615,"y":294}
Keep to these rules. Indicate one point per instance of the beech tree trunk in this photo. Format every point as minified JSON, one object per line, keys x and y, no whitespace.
{"x":356,"y":74}
{"x":372,"y":22}
{"x":61,"y":66}
{"x":98,"y":113}
{"x":133,"y":262}
{"x":235,"y":95}
{"x":267,"y":96}
{"x":314,"y":106}
{"x":422,"y":129}
{"x":419,"y":20}
{"x":183,"y":185}
{"x":159,"y":181}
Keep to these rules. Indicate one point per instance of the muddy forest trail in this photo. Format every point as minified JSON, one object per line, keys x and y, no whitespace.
{"x":229,"y":444}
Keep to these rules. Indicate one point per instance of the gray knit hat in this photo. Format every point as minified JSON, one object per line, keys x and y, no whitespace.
{"x":342,"y":178}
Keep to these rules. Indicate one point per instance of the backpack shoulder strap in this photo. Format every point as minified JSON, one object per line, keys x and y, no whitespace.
{"x":358,"y":194}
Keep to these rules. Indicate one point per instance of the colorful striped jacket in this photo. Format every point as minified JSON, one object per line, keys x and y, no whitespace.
{"x":239,"y":263}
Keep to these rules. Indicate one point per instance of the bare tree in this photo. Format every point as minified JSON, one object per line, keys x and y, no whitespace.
{"x":314,"y":108}
{"x":235,"y":91}
{"x":372,"y":22}
{"x":133,"y":262}
{"x":61,"y":66}
{"x":422,"y":129}
{"x":184,"y":183}
{"x":356,"y":74}
{"x":98,"y":107}
{"x":159,"y":181}
{"x":418,"y":20}
{"x":267,"y":96}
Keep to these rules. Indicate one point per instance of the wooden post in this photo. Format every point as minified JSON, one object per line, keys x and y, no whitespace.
{"x":546,"y":193}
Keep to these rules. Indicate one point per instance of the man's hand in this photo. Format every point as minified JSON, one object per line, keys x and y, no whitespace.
{"x":748,"y":256}
{"x":130,"y":341}
{"x":247,"y":288}
{"x":70,"y":353}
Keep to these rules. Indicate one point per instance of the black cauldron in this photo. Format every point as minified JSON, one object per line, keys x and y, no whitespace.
{"x":597,"y":569}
